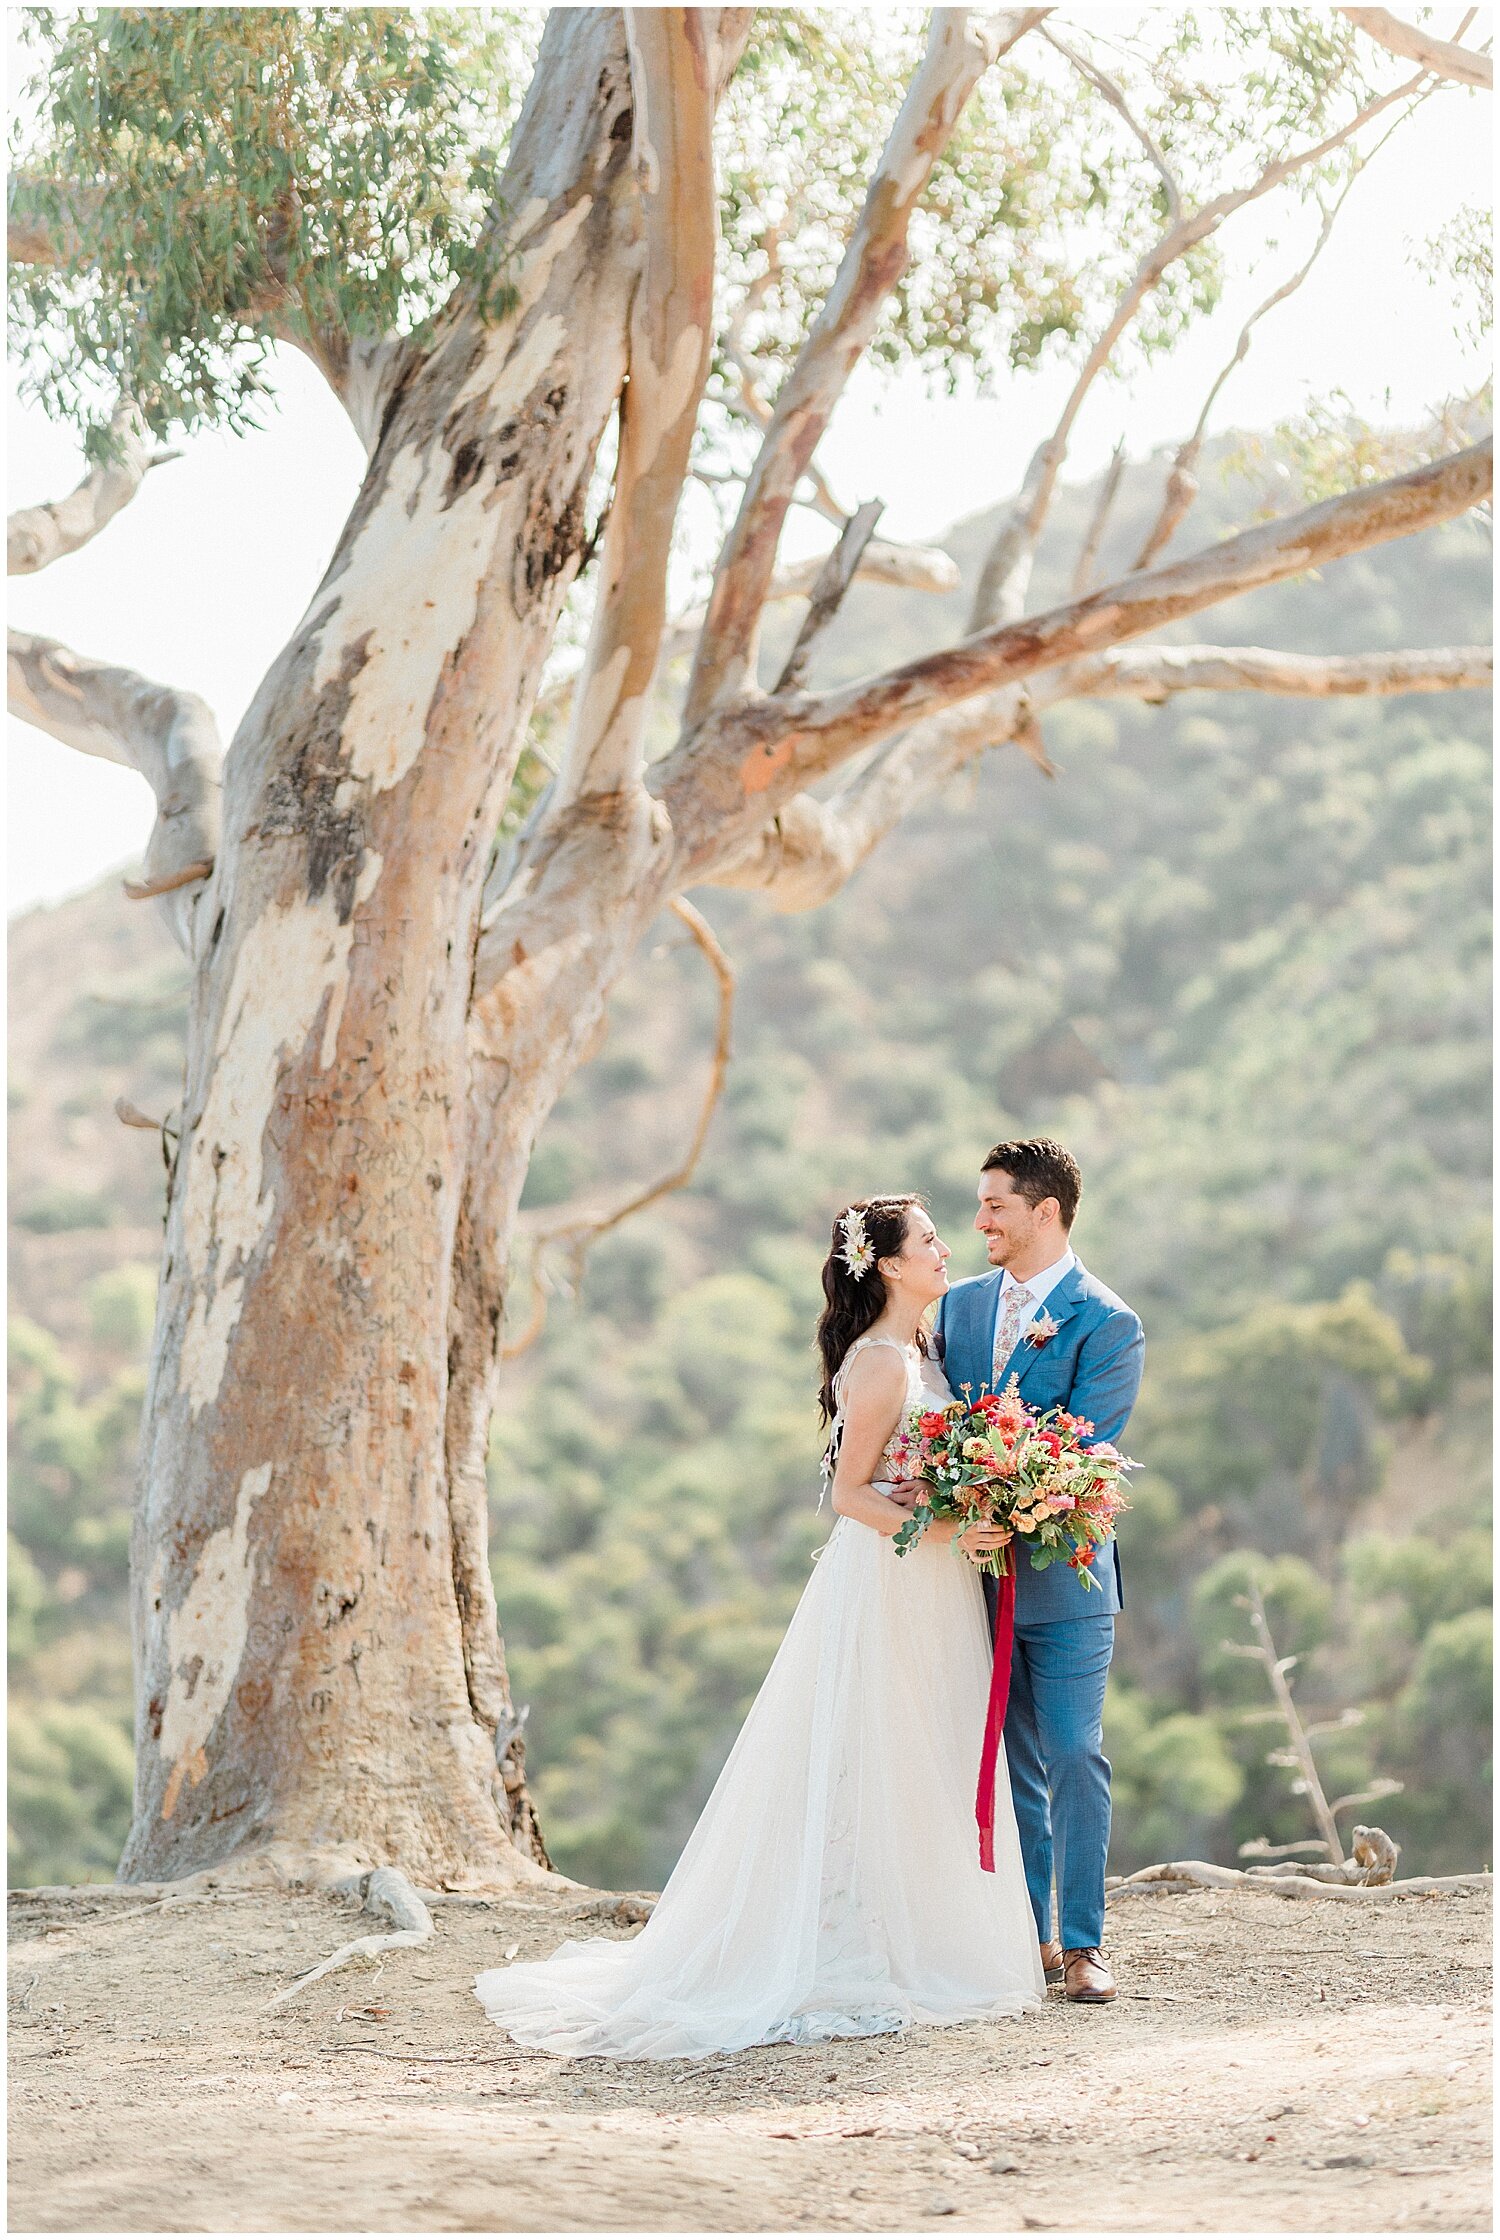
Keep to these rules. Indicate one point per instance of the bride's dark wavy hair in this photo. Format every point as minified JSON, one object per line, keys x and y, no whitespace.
{"x":856,"y":1302}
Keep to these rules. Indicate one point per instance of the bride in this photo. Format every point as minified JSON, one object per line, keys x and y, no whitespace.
{"x":832,"y":1886}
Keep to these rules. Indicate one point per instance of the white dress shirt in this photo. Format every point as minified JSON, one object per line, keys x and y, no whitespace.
{"x":1037,"y":1285}
{"x":1018,"y":1303}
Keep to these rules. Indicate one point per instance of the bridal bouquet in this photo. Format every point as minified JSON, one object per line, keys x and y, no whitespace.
{"x":1044,"y":1479}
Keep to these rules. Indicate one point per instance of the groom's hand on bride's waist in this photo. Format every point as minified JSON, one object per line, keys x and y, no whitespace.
{"x":906,"y":1492}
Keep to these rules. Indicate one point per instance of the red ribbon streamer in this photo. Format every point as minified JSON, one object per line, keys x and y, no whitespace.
{"x":1005,"y":1636}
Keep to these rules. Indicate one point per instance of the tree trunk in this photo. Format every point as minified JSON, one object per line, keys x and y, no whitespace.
{"x":317,"y":1661}
{"x":565,"y":944}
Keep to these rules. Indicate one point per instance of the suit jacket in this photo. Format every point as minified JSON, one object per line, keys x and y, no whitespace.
{"x":1092,"y":1367}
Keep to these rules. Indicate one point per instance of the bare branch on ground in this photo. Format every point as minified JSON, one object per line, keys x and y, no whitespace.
{"x":385,"y":1890}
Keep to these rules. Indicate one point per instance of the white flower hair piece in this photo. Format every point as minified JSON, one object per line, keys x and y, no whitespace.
{"x":858,"y":1254}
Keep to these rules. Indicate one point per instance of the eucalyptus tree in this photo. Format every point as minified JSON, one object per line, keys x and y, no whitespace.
{"x":561,"y":269}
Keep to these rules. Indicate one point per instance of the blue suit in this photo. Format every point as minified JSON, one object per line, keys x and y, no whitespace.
{"x":1064,"y":1631}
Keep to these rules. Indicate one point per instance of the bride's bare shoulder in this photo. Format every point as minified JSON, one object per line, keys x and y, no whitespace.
{"x":875,"y":1373}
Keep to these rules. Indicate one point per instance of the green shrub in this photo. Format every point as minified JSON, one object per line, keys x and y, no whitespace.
{"x":71,"y":1774}
{"x":1436,"y":1737}
{"x":1173,"y":1781}
{"x":122,"y":1306}
{"x":56,"y":1210}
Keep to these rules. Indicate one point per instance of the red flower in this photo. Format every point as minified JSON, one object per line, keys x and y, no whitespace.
{"x":932,"y":1426}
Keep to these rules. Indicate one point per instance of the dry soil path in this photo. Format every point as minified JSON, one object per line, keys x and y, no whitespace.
{"x":1270,"y":2066}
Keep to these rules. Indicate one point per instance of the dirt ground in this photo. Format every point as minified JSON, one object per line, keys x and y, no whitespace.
{"x":1270,"y":2066}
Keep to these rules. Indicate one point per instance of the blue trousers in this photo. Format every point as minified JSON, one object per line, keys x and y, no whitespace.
{"x":1059,"y":1775}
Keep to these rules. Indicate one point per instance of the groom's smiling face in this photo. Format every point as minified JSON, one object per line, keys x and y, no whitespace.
{"x":1009,"y":1224}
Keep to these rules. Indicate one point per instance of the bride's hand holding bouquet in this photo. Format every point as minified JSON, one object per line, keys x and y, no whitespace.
{"x":994,"y":1470}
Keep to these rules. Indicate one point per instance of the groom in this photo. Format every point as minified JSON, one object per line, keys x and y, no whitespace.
{"x":1041,"y":1317}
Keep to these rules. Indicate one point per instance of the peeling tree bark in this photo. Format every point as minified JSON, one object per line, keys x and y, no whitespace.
{"x":580,"y":912}
{"x":303,"y":1567}
{"x":671,"y":326}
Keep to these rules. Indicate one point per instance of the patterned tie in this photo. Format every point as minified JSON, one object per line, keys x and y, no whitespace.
{"x":1012,"y":1315}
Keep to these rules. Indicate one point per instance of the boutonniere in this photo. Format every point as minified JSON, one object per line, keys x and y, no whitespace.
{"x":1040,"y":1332}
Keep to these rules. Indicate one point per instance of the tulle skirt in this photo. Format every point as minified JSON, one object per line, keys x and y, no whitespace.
{"x":832,"y":1885}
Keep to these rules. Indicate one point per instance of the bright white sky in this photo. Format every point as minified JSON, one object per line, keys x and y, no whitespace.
{"x":203,"y":577}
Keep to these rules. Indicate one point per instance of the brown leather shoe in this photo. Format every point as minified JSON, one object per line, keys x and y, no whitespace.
{"x":1052,"y":1960}
{"x":1086,"y":1979}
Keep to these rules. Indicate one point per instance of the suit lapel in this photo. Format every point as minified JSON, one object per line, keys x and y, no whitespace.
{"x":977,"y":1338}
{"x":1061,"y":1304}
{"x":1067,"y":1297}
{"x":987,"y":1324}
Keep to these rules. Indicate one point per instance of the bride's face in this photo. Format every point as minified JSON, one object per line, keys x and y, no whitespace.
{"x":921,"y":1273}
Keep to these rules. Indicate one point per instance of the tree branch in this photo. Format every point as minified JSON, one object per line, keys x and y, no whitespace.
{"x":1117,"y":101}
{"x":37,"y":535}
{"x":362,"y":370}
{"x":169,"y":736}
{"x":1262,"y":1651}
{"x":811,"y":848}
{"x":1157,"y":672}
{"x":959,"y":51}
{"x":833,"y":580}
{"x":1182,"y":480}
{"x":1088,"y":551}
{"x":669,"y":344}
{"x":721,"y":787}
{"x":749,"y":400}
{"x":579,"y":1231}
{"x":1414,"y":44}
{"x":1000,"y":595}
{"x":384,"y":1890}
{"x":910,"y":567}
{"x":805,"y":854}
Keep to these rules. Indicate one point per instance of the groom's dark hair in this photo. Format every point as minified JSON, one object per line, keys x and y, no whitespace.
{"x":1040,"y":1169}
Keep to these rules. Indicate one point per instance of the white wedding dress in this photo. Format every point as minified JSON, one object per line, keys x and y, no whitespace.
{"x":832,"y":1886}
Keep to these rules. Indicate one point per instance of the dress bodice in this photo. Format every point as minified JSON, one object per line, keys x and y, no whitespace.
{"x":925,"y":1383}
